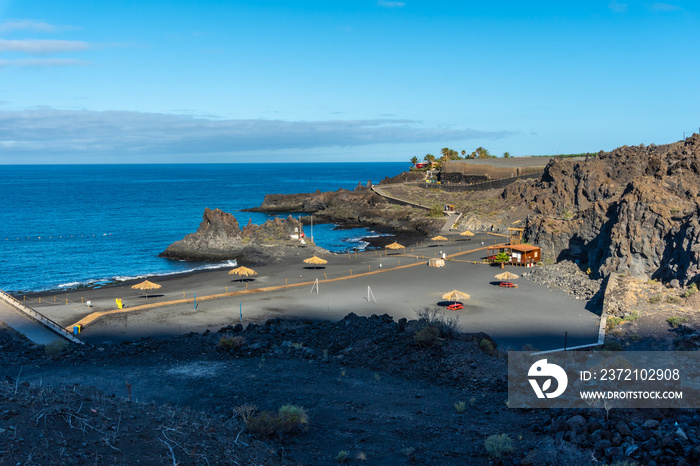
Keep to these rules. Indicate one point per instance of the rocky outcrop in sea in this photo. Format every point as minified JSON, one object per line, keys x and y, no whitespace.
{"x":219,"y":237}
{"x":635,"y":210}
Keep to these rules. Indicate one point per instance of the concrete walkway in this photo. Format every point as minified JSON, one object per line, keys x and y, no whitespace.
{"x":28,"y":327}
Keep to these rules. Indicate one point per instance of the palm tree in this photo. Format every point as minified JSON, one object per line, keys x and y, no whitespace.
{"x":506,"y":155}
{"x":430,"y":158}
{"x":482,"y":153}
{"x":414,"y":160}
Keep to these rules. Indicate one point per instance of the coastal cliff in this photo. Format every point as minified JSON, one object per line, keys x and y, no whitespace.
{"x":635,"y":209}
{"x":219,"y":237}
{"x":361,"y":207}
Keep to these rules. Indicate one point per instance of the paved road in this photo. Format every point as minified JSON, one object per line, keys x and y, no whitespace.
{"x":30,"y":328}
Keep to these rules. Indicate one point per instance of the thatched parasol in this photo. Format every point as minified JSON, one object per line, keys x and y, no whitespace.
{"x":438,"y":238}
{"x":506,"y":276}
{"x":395,"y":245}
{"x":146,"y":285}
{"x":455,"y":295}
{"x":315,"y":260}
{"x":466,"y":233}
{"x":242,"y":271}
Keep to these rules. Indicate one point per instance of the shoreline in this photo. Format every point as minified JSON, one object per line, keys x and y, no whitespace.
{"x":364,"y":283}
{"x":374,"y":242}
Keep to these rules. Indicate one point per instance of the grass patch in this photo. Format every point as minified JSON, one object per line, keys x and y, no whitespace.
{"x":55,"y":348}
{"x":692,"y":289}
{"x":612,"y":322}
{"x":673,"y":299}
{"x":612,"y":345}
{"x":676,"y":321}
{"x":498,"y":445}
{"x":288,"y":419}
{"x":436,"y":211}
{"x":460,"y":407}
{"x":656,"y":298}
{"x":632,"y":316}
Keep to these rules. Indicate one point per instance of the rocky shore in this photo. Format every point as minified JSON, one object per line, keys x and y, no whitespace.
{"x":219,"y":237}
{"x":362,"y":207}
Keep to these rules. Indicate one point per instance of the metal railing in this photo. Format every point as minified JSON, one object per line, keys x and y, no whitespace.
{"x":42,"y":319}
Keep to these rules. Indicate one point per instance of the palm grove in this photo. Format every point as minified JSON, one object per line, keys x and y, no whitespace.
{"x":449,"y":154}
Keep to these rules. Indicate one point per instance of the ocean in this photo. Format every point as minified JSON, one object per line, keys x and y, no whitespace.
{"x":67,"y":226}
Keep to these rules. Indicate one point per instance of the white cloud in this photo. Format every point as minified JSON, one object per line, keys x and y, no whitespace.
{"x":42,"y":62}
{"x":618,"y":7}
{"x":390,"y":4}
{"x":29,"y":25}
{"x":665,"y":7}
{"x":50,"y":131}
{"x":42,"y":47}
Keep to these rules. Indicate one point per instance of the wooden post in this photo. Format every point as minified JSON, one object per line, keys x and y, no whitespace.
{"x":285,"y":281}
{"x":246,"y":285}
{"x":324,"y":275}
{"x":227,"y":289}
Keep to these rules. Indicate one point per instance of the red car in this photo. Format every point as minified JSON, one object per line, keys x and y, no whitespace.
{"x":508,"y":285}
{"x":455,"y":306}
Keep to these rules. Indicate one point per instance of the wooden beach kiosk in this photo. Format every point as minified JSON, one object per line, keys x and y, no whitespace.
{"x":520,"y":254}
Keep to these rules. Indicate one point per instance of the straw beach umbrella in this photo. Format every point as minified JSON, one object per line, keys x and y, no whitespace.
{"x":466,"y":233}
{"x":438,"y":238}
{"x":455,"y":296}
{"x":394,"y":246}
{"x":315,"y":260}
{"x":242,"y":271}
{"x":506,"y":276}
{"x":145,"y":286}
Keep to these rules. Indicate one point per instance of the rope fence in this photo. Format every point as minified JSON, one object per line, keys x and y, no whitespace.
{"x":55,"y":237}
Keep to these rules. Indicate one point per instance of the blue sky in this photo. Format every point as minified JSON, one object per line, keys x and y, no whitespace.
{"x":340,"y":80}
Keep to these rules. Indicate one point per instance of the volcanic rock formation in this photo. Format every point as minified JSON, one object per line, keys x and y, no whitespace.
{"x":354,"y":208}
{"x":220,"y":238}
{"x":635,"y":209}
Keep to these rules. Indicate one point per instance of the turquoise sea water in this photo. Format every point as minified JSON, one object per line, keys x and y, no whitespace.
{"x":67,"y":225}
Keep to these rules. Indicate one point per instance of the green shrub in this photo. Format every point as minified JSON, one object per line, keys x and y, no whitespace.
{"x":461,"y":407}
{"x":636,"y":337}
{"x":673,"y":299}
{"x":55,"y":348}
{"x":436,"y":211}
{"x":227,"y":343}
{"x":631,"y":317}
{"x":342,"y":456}
{"x":676,"y":321}
{"x":498,"y":445}
{"x":427,"y":336}
{"x":655,"y":298}
{"x":612,"y":345}
{"x":288,"y":419}
{"x":692,"y":289}
{"x":487,"y":347}
{"x":612,"y":322}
